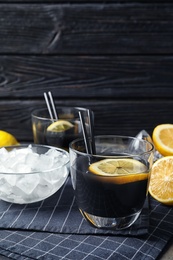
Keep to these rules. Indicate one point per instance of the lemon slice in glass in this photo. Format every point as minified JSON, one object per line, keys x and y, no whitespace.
{"x":60,"y":126}
{"x":120,"y":170}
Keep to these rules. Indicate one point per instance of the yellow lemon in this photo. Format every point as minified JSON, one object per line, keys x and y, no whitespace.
{"x":120,"y":170}
{"x":60,"y":126}
{"x":161,"y":181}
{"x":7,"y":139}
{"x":163,"y":139}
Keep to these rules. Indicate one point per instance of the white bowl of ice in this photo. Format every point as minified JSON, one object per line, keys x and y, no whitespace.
{"x":31,"y":173}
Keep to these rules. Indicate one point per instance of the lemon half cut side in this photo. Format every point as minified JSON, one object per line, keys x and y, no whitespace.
{"x":161,"y":180}
{"x":163,"y":139}
{"x":60,"y":126}
{"x":120,"y":170}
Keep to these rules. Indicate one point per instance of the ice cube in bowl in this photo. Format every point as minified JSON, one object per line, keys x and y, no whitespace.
{"x":31,"y":173}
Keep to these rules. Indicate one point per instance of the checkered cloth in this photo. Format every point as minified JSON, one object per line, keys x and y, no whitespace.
{"x":55,"y":229}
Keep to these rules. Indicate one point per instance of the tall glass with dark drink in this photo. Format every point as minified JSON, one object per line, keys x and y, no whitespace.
{"x":111,"y":186}
{"x":58,"y":132}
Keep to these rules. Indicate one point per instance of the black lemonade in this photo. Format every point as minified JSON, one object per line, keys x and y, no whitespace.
{"x":103,"y":196}
{"x":58,"y":139}
{"x":58,"y":132}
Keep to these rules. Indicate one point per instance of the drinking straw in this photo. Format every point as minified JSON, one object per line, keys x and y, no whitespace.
{"x":52,"y":104}
{"x":85,"y":135}
{"x":91,"y":132}
{"x":48,"y":106}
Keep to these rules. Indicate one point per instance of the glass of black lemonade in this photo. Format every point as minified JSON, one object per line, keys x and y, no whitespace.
{"x":111,"y":186}
{"x":59,"y":132}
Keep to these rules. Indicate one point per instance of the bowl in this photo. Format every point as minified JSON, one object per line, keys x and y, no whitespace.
{"x":31,"y":173}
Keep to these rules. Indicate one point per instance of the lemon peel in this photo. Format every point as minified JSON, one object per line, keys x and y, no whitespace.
{"x":7,"y":139}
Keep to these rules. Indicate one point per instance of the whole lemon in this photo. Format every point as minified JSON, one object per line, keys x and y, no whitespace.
{"x":7,"y":139}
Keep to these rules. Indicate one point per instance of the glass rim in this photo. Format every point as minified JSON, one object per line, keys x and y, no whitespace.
{"x":57,"y":107}
{"x":152,"y":148}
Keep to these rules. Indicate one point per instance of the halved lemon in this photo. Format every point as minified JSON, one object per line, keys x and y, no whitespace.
{"x":120,"y":170}
{"x":163,"y":139}
{"x":60,"y":126}
{"x":161,"y":180}
{"x":7,"y":139}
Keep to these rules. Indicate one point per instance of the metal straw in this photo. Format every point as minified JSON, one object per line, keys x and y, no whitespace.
{"x":85,"y":135}
{"x":52,"y":104}
{"x":91,"y":132}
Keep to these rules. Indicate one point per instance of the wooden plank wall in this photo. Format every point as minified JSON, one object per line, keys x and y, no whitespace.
{"x":115,"y":57}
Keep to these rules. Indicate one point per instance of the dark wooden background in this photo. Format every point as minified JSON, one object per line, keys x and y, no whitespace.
{"x":115,"y":57}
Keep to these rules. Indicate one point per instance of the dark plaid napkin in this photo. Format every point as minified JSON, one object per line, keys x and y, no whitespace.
{"x":54,"y":229}
{"x":60,"y":213}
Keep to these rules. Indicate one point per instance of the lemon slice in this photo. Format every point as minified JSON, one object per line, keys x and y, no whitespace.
{"x":161,"y":180}
{"x":60,"y":126}
{"x":163,"y":139}
{"x":120,"y":170}
{"x":7,"y":139}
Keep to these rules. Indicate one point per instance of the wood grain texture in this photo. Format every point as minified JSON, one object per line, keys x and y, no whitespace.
{"x":115,"y":57}
{"x":88,"y":28}
{"x":81,"y":1}
{"x":120,"y":117}
{"x":87,"y":77}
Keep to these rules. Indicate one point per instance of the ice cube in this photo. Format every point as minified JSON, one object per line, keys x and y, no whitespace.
{"x":5,"y":169}
{"x":10,"y":179}
{"x":54,"y":176}
{"x":44,"y":187}
{"x":53,"y":153}
{"x":58,"y":157}
{"x":28,"y":182}
{"x":16,"y":159}
{"x":22,"y":168}
{"x":44,"y":162}
{"x":3,"y":154}
{"x":32,"y":160}
{"x":26,"y":150}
